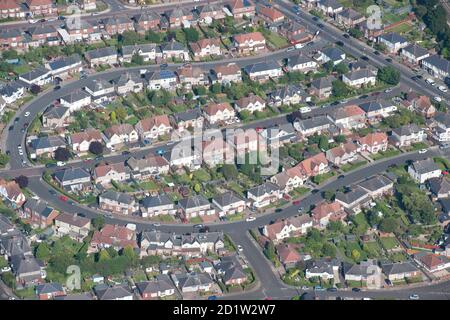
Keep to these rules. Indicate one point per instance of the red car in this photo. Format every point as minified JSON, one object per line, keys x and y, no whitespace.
{"x":445,"y":173}
{"x":296,"y":202}
{"x":259,"y":129}
{"x":63,"y":198}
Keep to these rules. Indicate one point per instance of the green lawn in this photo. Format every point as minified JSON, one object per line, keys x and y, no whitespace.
{"x":352,"y":166}
{"x":443,"y":163}
{"x":235,"y":217}
{"x":164,"y":218}
{"x":374,"y":249}
{"x":148,"y":185}
{"x":195,"y":220}
{"x":389,"y":243}
{"x":201,"y":175}
{"x":323,"y":177}
{"x":385,"y":154}
{"x":276,"y":40}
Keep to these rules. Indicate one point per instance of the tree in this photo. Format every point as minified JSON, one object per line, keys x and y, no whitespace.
{"x":356,"y":254}
{"x":197,"y":187}
{"x":340,"y":89}
{"x":328,"y":250}
{"x":131,"y":255}
{"x":103,"y":256}
{"x":137,"y":59}
{"x":323,"y":143}
{"x":389,"y":75}
{"x":388,"y":225}
{"x":244,"y":114}
{"x":328,"y":66}
{"x":153,"y":37}
{"x":9,"y":279}
{"x":229,"y":171}
{"x":191,"y":34}
{"x":96,"y":147}
{"x":113,"y":116}
{"x":356,"y":33}
{"x":340,"y":139}
{"x":328,"y":195}
{"x":22,"y":181}
{"x":341,"y":68}
{"x":43,"y":252}
{"x":62,"y":154}
{"x":10,"y":54}
{"x":130,"y":38}
{"x":4,"y":159}
{"x":216,"y":88}
{"x":98,"y":222}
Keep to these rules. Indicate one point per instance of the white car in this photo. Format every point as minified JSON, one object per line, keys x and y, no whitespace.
{"x":240,"y":249}
{"x":250,"y":219}
{"x":414,"y":297}
{"x":423,"y":151}
{"x":60,"y":163}
{"x":305,"y":109}
{"x":430,"y":81}
{"x":27,"y":114}
{"x":6,"y":269}
{"x":443,"y":89}
{"x":32,"y":21}
{"x":437,"y":99}
{"x":20,"y":152}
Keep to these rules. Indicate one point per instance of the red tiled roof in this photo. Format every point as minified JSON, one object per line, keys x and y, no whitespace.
{"x":372,"y":139}
{"x":115,"y":235}
{"x":308,"y":165}
{"x":8,"y":4}
{"x":271,"y":13}
{"x":148,"y":123}
{"x":213,"y":108}
{"x":102,"y":170}
{"x":243,"y":37}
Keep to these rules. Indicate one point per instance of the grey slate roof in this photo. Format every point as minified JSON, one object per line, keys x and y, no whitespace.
{"x":48,"y":142}
{"x":10,"y":88}
{"x":160,"y":284}
{"x":34,"y":74}
{"x":70,"y":174}
{"x":105,"y":292}
{"x":120,"y":197}
{"x":65,"y":62}
{"x":46,"y":288}
{"x":262,"y":189}
{"x":188,"y":115}
{"x":424,"y":166}
{"x":261,"y":66}
{"x":439,"y":185}
{"x":359,"y":74}
{"x":407,"y":129}
{"x":438,"y":62}
{"x":333,"y":53}
{"x":393,"y":37}
{"x":193,"y":279}
{"x":100,"y":53}
{"x":155,"y":201}
{"x":314,"y":122}
{"x":415,"y":50}
{"x":397,"y":268}
{"x":174,"y":46}
{"x":322,"y":83}
{"x":38,"y":206}
{"x":298,"y":59}
{"x":227,"y":198}
{"x":443,"y":118}
{"x":375,"y":183}
{"x":75,"y":96}
{"x":98,"y":84}
{"x":23,"y":264}
{"x":193,"y":202}
{"x":355,"y":194}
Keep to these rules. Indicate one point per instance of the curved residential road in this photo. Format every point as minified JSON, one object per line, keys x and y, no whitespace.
{"x":16,"y":137}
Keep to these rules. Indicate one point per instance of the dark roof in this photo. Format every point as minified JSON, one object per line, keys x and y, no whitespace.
{"x":438,"y":62}
{"x":333,"y":53}
{"x":188,"y":115}
{"x":393,"y":37}
{"x":261,"y":66}
{"x":324,"y":82}
{"x":415,"y":50}
{"x":54,"y":112}
{"x":51,"y":287}
{"x":34,"y":74}
{"x":48,"y":142}
{"x":38,"y":206}
{"x":155,"y":201}
{"x":349,"y":197}
{"x":120,"y":197}
{"x":424,"y":166}
{"x":314,"y":122}
{"x":70,"y":174}
{"x":99,"y":53}
{"x":75,"y":96}
{"x":375,"y":183}
{"x":396,"y":268}
{"x":262,"y":189}
{"x":105,"y":292}
{"x":227,"y":198}
{"x":439,"y":185}
{"x":407,"y":129}
{"x":65,"y":62}
{"x":193,"y":202}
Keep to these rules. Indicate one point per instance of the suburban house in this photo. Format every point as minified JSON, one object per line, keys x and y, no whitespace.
{"x":117,"y":292}
{"x":270,"y":15}
{"x":348,"y":117}
{"x":218,"y":112}
{"x":289,"y":179}
{"x":342,"y":154}
{"x":179,"y":17}
{"x":414,"y":54}
{"x":48,"y":291}
{"x":377,"y":186}
{"x":12,"y":91}
{"x":375,"y":110}
{"x":225,"y":74}
{"x":393,"y":41}
{"x":373,"y":142}
{"x":241,"y":8}
{"x":145,"y":21}
{"x":244,"y":141}
{"x":102,"y":56}
{"x":195,"y":206}
{"x":154,"y":127}
{"x":288,"y":95}
{"x":230,"y":270}
{"x":432,"y":262}
{"x":191,"y":118}
{"x":162,"y":79}
{"x":436,"y":66}
{"x":323,"y":268}
{"x":76,"y":100}
{"x":206,"y":47}
{"x":251,"y":103}
{"x":175,"y":50}
{"x":349,"y":18}
{"x":117,"y":202}
{"x":325,"y":212}
{"x":289,"y":255}
{"x":104,"y":174}
{"x":209,"y":12}
{"x":81,"y":141}
{"x":353,"y":200}
{"x":38,"y":213}
{"x":147,"y":167}
{"x":441,"y":132}
{"x":360,"y":78}
{"x":263,"y":194}
{"x":117,"y":237}
{"x":189,"y":76}
{"x":290,"y":227}
{"x":246,"y":43}
{"x":400,"y":270}
{"x":263,"y":71}
{"x":11,"y":9}
{"x":193,"y":282}
{"x":160,"y":204}
{"x":11,"y":192}
{"x":128,"y":82}
{"x":311,"y":126}
{"x":229,"y":203}
{"x":119,"y":134}
{"x":46,"y":146}
{"x":217,"y":152}
{"x":423,"y":170}
{"x":322,"y":87}
{"x":364,"y":271}
{"x":278,"y":135}
{"x":74,"y":226}
{"x":423,"y":106}
{"x":148,"y":52}
{"x":160,"y":287}
{"x":39,"y":76}
{"x":439,"y":187}
{"x":26,"y":269}
{"x":407,"y":135}
{"x":332,"y":54}
{"x":156,"y":242}
{"x":73,"y":179}
{"x":301,"y":63}
{"x":65,"y":66}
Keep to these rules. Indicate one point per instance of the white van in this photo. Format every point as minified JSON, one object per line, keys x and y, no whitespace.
{"x":60,"y":163}
{"x":430,"y":81}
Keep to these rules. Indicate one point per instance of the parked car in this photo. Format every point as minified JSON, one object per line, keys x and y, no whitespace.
{"x":250,"y":219}
{"x":423,"y":150}
{"x":240,"y":248}
{"x":356,"y":289}
{"x":414,"y":297}
{"x":63,"y":198}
